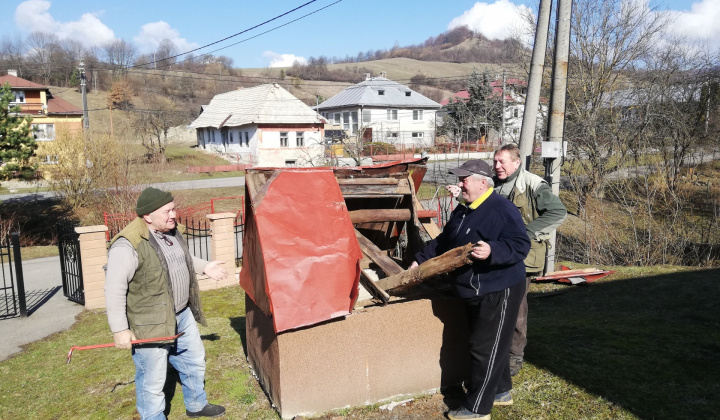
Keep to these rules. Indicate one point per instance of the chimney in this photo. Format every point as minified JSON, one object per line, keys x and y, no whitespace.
{"x":367,"y":76}
{"x":12,"y":72}
{"x":383,"y":74}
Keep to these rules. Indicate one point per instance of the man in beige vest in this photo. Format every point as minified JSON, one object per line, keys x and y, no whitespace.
{"x":151,"y":291}
{"x":542,"y":212}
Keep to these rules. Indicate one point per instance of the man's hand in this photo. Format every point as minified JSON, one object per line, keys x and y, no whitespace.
{"x":413,"y":265}
{"x":481,"y":251}
{"x":123,"y":339}
{"x":454,"y":190}
{"x":214,"y":271}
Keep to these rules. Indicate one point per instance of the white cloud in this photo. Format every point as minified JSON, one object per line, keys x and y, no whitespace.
{"x":495,"y":21}
{"x":33,"y":15}
{"x":152,"y":33}
{"x":700,"y":23}
{"x":282,"y":60}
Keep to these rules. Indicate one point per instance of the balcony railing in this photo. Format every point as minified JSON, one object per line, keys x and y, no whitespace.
{"x":28,"y":109}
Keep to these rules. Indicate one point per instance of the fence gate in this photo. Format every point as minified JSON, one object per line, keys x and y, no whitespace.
{"x":12,"y":288}
{"x":70,"y":267}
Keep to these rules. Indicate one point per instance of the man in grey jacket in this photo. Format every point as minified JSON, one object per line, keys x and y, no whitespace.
{"x":151,"y":291}
{"x":542,"y":212}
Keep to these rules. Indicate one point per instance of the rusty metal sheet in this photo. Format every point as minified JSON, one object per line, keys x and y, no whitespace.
{"x":307,"y":245}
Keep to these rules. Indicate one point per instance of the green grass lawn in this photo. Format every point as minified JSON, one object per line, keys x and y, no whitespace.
{"x":640,"y":344}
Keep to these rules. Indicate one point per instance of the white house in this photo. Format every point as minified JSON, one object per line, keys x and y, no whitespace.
{"x":513,"y":94}
{"x":262,"y":126}
{"x":381,"y":110}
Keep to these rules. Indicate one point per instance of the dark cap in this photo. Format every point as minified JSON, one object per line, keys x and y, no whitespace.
{"x":476,"y":166}
{"x":152,"y":199}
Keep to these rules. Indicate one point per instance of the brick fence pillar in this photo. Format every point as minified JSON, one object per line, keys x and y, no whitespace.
{"x":222,"y":244}
{"x":93,"y":253}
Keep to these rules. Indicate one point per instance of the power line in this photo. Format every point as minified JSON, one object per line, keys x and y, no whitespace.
{"x":231,"y":36}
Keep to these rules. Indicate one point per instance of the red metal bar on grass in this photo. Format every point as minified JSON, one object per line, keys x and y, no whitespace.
{"x":100,"y":346}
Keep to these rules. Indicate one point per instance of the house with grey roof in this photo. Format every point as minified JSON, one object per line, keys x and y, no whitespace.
{"x":381,"y":110}
{"x":261,"y":126}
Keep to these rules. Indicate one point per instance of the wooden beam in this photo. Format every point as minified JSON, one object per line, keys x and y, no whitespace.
{"x":445,"y":263}
{"x":380,"y":215}
{"x":378,"y":256}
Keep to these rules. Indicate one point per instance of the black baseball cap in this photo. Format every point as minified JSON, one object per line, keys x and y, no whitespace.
{"x":476,"y":166}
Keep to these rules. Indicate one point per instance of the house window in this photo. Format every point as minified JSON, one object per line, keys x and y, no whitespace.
{"x":290,"y":163}
{"x":19,"y":95}
{"x":44,"y":132}
{"x":407,"y":93}
{"x":366,"y":116}
{"x":354,"y":116}
{"x":212,"y":133}
{"x":247,"y":139}
{"x":224,"y":135}
{"x":515,"y":130}
{"x":300,"y":139}
{"x":417,"y":114}
{"x":381,"y":92}
{"x":283,"y":139}
{"x":337,"y":118}
{"x":50,"y":159}
{"x":231,"y":137}
{"x":392,"y":114}
{"x":392,"y":135}
{"x":417,"y":134}
{"x":346,"y":121}
{"x":516,"y":113}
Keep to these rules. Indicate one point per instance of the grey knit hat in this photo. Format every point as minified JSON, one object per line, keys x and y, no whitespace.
{"x":152,"y":199}
{"x":476,"y":166}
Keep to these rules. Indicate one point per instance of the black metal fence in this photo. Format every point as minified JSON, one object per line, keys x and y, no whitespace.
{"x":239,"y":232}
{"x":12,"y":290}
{"x":197,"y":236}
{"x":70,"y":262}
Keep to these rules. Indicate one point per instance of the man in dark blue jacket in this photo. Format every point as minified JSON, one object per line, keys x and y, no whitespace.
{"x":492,"y":286}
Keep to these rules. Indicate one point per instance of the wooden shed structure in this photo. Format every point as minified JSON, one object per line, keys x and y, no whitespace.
{"x":320,"y":333}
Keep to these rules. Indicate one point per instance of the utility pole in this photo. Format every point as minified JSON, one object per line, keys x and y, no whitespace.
{"x":83,"y":90}
{"x":532,"y":98}
{"x":556,"y":124}
{"x":502,"y":132}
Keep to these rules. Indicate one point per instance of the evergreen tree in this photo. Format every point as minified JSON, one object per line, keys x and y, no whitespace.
{"x":17,"y":144}
{"x":469,"y":119}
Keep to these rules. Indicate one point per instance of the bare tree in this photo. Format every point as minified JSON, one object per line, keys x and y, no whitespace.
{"x":120,"y":54}
{"x":152,"y":124}
{"x":610,"y":41}
{"x":42,"y":54}
{"x":164,"y":55}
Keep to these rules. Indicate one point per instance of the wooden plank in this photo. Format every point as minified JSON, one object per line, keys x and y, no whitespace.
{"x":367,"y":181}
{"x":378,"y":256}
{"x":415,"y":243}
{"x":445,"y":263}
{"x":380,"y":215}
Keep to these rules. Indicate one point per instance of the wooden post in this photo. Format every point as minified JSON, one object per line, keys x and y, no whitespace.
{"x":222,"y":245}
{"x":445,"y":263}
{"x":93,"y":251}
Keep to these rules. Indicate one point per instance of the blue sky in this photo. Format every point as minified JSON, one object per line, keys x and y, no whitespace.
{"x":343,"y":28}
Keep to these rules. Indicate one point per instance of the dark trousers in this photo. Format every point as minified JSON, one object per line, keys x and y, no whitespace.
{"x":517,"y":348}
{"x":492,"y":322}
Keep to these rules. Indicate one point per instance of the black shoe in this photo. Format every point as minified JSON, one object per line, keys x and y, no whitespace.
{"x":210,"y":410}
{"x":516,"y":363}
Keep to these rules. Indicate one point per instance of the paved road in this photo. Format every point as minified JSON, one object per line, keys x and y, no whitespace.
{"x":238,"y":181}
{"x":49,"y":311}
